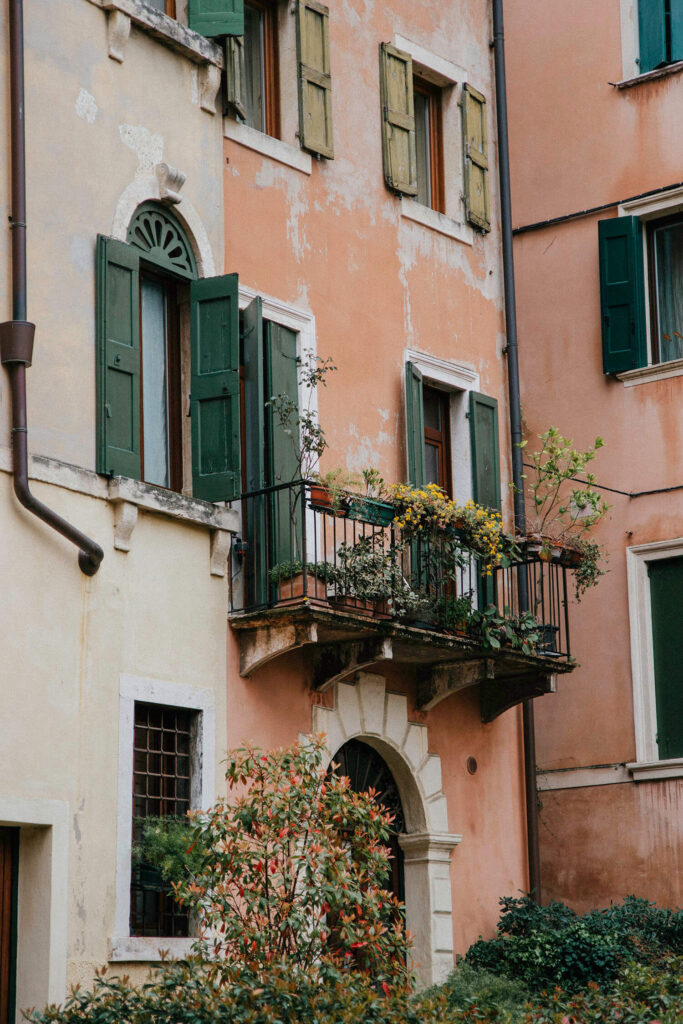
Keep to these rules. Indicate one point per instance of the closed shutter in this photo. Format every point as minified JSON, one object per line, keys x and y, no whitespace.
{"x":216,"y":17}
{"x":235,"y":83}
{"x":315,"y":82}
{"x":652,"y":33}
{"x":476,"y":168}
{"x":215,"y":402}
{"x":484,"y":449}
{"x":676,"y":30}
{"x":666,"y":597}
{"x":622,"y":294}
{"x":286,"y":512}
{"x":256,"y":507}
{"x":415,"y":429}
{"x":118,"y":359}
{"x":398,"y":120}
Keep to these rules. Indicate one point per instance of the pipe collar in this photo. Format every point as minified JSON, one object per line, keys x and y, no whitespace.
{"x":16,"y":342}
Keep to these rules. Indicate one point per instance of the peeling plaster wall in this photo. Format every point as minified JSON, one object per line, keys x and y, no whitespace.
{"x":577,"y":142}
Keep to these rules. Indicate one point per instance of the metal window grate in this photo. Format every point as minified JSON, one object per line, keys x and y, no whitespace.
{"x":161,"y":788}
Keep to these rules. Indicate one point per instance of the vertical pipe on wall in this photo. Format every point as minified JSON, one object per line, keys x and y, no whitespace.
{"x":16,"y":336}
{"x":515,"y":425}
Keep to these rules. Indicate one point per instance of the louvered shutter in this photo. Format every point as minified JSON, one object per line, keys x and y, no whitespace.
{"x":216,"y":17}
{"x":484,"y":450}
{"x":256,"y":507}
{"x":622,"y":294}
{"x":118,"y":359}
{"x":652,"y":33}
{"x":476,"y":167}
{"x":235,"y":76}
{"x":398,"y":120}
{"x":415,"y":430}
{"x":676,"y":30}
{"x":315,"y":82}
{"x":286,"y":512}
{"x":215,"y":389}
{"x":666,"y":598}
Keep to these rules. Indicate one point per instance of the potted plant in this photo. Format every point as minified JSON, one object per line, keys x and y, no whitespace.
{"x":370,"y":506}
{"x":289,"y":579}
{"x":563,"y":508}
{"x":330,"y":490}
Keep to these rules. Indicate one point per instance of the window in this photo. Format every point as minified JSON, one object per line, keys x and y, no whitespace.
{"x":259,"y":70}
{"x":158,"y":326}
{"x":655,"y":586}
{"x":428,"y":144}
{"x":437,"y":440}
{"x":162,"y":784}
{"x":413,"y":143}
{"x":660,"y":32}
{"x":165,"y":6}
{"x":641,"y":326}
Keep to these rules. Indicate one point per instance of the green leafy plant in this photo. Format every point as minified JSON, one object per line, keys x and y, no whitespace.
{"x":301,"y":424}
{"x":453,"y":613}
{"x":372,"y":572}
{"x":166,"y":844}
{"x":493,"y":630}
{"x":284,"y":571}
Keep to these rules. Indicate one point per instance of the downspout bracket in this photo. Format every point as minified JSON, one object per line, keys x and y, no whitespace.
{"x":16,"y":342}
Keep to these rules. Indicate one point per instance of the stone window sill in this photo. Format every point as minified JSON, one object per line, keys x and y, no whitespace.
{"x":658,"y":371}
{"x":168,"y":31}
{"x":291,"y":156}
{"x":420,"y":214}
{"x":130,"y":949}
{"x":649,"y":771}
{"x":649,"y":76}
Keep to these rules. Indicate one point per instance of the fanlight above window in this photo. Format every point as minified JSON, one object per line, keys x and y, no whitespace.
{"x":159,"y":236}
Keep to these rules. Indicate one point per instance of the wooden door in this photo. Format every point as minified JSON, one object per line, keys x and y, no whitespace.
{"x":9,"y":848}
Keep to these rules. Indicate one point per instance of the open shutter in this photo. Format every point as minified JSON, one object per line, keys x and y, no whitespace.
{"x":622,"y":294}
{"x":286,"y":513}
{"x":118,"y":359}
{"x":257,"y":507}
{"x":415,"y":428}
{"x":652,"y":33}
{"x":235,"y":76}
{"x":215,"y":402}
{"x":485,"y":452}
{"x":666,"y":598}
{"x":475,"y":149}
{"x":676,"y":30}
{"x":216,"y":17}
{"x":315,"y":82}
{"x":398,"y":119}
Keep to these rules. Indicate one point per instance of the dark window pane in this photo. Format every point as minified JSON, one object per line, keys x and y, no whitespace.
{"x":669,"y":284}
{"x":254,"y":65}
{"x":422,"y":144}
{"x":431,"y":464}
{"x":432,"y":401}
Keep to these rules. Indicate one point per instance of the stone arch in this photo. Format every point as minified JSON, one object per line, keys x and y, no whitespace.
{"x":147,"y":188}
{"x":367,"y":711}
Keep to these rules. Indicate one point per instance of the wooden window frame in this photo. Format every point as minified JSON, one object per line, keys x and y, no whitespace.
{"x":271,"y":64}
{"x":434,"y":94}
{"x":651,"y":227}
{"x":173,"y":370}
{"x":441,"y":439}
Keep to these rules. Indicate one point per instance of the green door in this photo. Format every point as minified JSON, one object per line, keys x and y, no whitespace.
{"x":666,"y":597}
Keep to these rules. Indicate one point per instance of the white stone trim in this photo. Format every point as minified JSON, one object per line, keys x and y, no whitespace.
{"x":154,"y":691}
{"x":653,"y":206}
{"x":47,"y":981}
{"x":266,"y":145}
{"x":653,"y":372}
{"x":654,"y":770}
{"x":431,"y":66}
{"x":582,"y":778}
{"x":642,"y":654}
{"x":169,"y":31}
{"x":421,"y":214}
{"x":379,"y":717}
{"x":459,"y":376}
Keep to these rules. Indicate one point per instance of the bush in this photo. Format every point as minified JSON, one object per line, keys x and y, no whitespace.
{"x":548,"y":946}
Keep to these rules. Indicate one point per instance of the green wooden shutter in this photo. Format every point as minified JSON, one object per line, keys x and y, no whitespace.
{"x":215,"y":402}
{"x":398,"y":119}
{"x":216,"y":17}
{"x":666,"y":597}
{"x":622,"y":294}
{"x":118,"y":359}
{"x":315,"y":82}
{"x":282,"y":378}
{"x":235,"y":76}
{"x":484,"y":450}
{"x":676,"y":30}
{"x":651,"y":33}
{"x":256,"y":507}
{"x":475,"y":150}
{"x":415,"y":428}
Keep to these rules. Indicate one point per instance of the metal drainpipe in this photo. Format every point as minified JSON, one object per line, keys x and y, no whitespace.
{"x":16,"y":336}
{"x":515,"y":427}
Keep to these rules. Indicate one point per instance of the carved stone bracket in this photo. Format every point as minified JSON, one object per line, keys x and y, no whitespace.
{"x":171,"y":180}
{"x":209,"y":81}
{"x":499,"y":695}
{"x":118,"y":31}
{"x":445,"y":678}
{"x":261,"y":645}
{"x":333,"y":662}
{"x":220,"y":552}
{"x":125,"y":521}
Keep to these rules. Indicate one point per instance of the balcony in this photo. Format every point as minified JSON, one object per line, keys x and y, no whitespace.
{"x":353,"y":588}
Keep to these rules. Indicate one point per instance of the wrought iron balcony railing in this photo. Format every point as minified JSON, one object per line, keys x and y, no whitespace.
{"x":354,"y":559}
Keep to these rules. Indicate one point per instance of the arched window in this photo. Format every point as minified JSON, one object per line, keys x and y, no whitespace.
{"x":368,"y":770}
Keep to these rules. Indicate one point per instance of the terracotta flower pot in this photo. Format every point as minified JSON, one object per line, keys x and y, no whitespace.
{"x":292,"y":591}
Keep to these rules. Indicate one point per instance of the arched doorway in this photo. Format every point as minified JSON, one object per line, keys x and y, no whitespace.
{"x":368,"y":770}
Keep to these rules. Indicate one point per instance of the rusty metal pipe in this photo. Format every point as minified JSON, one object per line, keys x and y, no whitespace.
{"x":16,"y":336}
